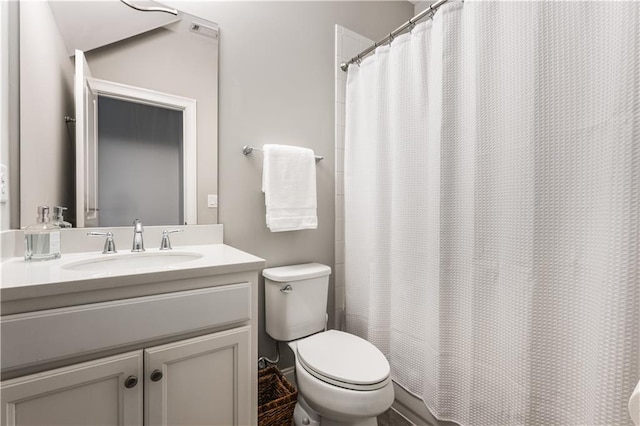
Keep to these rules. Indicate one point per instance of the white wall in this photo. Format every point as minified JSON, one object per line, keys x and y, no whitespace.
{"x":348,"y":45}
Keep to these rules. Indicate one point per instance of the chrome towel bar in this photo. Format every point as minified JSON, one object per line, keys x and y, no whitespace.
{"x":247,"y":150}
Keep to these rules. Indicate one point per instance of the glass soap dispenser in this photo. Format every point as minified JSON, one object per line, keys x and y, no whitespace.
{"x":59,"y":220}
{"x":42,"y":239}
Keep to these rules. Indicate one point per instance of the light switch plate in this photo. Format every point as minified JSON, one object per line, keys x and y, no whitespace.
{"x":212,"y":201}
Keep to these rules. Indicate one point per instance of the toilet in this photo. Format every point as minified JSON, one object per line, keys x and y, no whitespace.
{"x":342,"y":379}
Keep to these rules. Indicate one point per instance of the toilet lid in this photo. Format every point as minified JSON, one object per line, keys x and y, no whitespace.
{"x":344,"y":360}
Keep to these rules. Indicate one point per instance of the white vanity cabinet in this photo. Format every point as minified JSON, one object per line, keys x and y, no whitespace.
{"x":198,"y":381}
{"x":106,"y":391}
{"x":171,"y":347}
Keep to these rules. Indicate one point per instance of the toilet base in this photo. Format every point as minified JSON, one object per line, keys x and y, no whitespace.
{"x":303,"y":415}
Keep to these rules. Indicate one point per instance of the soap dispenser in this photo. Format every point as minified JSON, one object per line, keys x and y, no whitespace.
{"x":42,"y":239}
{"x":59,"y":220}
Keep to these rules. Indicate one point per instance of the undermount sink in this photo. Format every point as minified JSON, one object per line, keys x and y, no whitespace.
{"x":132,"y":261}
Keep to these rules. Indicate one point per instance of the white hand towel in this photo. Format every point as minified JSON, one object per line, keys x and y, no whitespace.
{"x":289,"y":186}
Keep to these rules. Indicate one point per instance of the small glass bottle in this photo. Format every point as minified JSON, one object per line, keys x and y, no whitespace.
{"x":58,"y":219}
{"x":42,"y":239}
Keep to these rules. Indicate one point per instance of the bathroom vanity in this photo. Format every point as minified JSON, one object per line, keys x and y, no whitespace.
{"x":158,"y":337}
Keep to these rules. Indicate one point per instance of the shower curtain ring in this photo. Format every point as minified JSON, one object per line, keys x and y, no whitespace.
{"x":391,"y":38}
{"x":358,"y":60}
{"x":412,"y":25}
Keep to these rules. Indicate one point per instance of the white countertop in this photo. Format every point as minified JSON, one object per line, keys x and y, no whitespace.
{"x":21,"y":279}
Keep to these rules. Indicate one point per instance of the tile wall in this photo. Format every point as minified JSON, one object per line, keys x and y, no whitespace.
{"x":348,"y":44}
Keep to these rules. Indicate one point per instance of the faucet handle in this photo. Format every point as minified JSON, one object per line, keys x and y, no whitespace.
{"x":109,"y":244}
{"x":165,"y":244}
{"x":137,"y":225}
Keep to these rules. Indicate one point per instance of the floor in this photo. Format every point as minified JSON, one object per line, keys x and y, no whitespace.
{"x":392,"y":418}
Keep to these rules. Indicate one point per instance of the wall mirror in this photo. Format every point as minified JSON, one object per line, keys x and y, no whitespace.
{"x":135,"y":153}
{"x":141,"y":92}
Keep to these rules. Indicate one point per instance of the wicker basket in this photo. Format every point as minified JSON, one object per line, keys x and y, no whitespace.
{"x":276,"y":398}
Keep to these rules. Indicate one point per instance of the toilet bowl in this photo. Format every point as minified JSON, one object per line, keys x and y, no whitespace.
{"x":342,"y":379}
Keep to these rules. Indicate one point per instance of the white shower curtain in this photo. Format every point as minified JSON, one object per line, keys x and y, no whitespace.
{"x":492,"y":210}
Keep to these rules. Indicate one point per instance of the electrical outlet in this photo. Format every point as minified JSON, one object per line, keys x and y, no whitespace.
{"x":212,"y":201}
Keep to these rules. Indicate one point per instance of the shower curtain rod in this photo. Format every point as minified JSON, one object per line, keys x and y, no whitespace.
{"x":388,"y":39}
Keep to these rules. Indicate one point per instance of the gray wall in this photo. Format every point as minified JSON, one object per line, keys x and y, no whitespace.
{"x":46,"y":96}
{"x":12,"y":144}
{"x":5,"y":208}
{"x":277,"y":86}
{"x":422,"y":5}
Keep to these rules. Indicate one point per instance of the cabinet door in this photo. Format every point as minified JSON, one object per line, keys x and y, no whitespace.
{"x":90,"y":393}
{"x":200,"y":381}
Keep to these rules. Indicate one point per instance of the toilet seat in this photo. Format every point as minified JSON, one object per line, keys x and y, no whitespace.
{"x":344,"y":360}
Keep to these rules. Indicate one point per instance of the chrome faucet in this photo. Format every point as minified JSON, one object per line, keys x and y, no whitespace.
{"x":109,"y":244}
{"x":165,"y":244}
{"x":138,"y":243}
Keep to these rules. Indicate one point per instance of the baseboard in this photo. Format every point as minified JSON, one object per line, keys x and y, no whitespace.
{"x":414,"y":409}
{"x":290,"y":374}
{"x":403,"y":416}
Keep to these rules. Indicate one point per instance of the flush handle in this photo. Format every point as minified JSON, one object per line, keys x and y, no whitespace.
{"x":287,"y":289}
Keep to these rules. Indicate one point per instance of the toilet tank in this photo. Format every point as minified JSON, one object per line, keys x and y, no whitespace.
{"x":295,"y":299}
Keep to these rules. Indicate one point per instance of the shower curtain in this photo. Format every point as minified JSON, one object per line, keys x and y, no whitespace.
{"x":492,"y":210}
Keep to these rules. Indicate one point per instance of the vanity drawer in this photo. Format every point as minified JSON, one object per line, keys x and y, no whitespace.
{"x":42,"y":336}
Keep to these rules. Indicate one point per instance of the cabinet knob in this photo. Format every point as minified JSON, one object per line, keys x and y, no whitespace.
{"x":130,"y":382}
{"x":156,"y":375}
